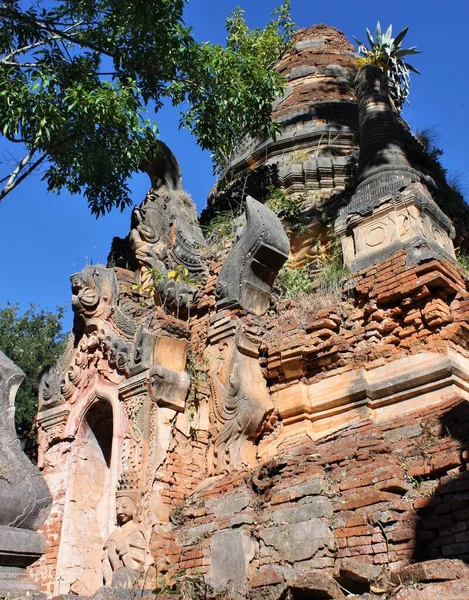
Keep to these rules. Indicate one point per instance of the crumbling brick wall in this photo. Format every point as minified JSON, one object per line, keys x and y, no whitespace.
{"x":387,"y":495}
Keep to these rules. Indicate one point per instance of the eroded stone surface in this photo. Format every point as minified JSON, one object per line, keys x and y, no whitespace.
{"x":298,"y":541}
{"x":231,"y":553}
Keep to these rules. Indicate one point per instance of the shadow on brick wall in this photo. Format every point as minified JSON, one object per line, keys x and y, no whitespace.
{"x":442,"y":529}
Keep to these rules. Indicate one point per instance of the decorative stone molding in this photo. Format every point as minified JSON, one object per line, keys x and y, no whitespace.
{"x":378,"y":394}
{"x":52,"y":422}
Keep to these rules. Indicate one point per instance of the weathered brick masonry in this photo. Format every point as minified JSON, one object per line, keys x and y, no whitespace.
{"x":388,"y":493}
{"x":317,"y":450}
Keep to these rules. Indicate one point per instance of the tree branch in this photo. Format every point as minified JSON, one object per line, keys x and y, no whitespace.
{"x":12,"y":13}
{"x":6,"y":59}
{"x":18,"y":175}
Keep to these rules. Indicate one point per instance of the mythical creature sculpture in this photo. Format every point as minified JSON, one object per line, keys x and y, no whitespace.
{"x":165,"y":236}
{"x":240,"y":401}
{"x":148,"y":240}
{"x":94,"y":292}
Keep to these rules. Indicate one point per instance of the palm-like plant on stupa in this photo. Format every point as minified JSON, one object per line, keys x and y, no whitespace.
{"x":387,"y":53}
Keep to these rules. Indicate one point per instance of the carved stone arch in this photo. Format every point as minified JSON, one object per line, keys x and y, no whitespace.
{"x":96,"y":425}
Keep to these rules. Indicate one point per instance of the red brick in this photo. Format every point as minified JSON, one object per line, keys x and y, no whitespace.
{"x":362,"y":540}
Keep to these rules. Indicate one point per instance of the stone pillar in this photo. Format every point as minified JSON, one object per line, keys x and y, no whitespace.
{"x":24,"y":496}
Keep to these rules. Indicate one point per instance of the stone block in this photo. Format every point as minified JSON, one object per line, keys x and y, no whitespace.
{"x":448,"y":590}
{"x":432,"y":570}
{"x":299,"y":541}
{"x":314,"y":584}
{"x":267,"y":576}
{"x":317,"y":508}
{"x":196,"y":534}
{"x":355,"y":573}
{"x":231,"y":553}
{"x":228,"y":505}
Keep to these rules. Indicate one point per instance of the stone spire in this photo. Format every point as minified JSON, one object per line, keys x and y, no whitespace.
{"x":383,"y":166}
{"x":391,"y":207}
{"x":317,"y":116}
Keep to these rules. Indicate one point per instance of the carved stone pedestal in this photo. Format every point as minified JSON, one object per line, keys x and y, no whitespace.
{"x":372,"y":231}
{"x":19,"y":548}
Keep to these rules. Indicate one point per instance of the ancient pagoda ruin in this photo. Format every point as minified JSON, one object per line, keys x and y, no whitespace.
{"x":208,"y":428}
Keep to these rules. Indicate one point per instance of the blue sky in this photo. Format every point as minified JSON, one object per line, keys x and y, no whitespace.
{"x":45,"y":238}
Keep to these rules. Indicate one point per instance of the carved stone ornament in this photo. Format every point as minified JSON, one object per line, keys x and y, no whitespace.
{"x":165,"y":236}
{"x":239,"y":401}
{"x":24,"y":496}
{"x":126,"y":551}
{"x":248,"y":274}
{"x":169,"y":388}
{"x":94,"y":292}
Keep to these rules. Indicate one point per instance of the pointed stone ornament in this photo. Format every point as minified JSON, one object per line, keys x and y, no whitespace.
{"x":248,"y":274}
{"x":24,"y":496}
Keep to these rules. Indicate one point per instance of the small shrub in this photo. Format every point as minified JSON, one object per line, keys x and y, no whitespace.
{"x":287,"y":206}
{"x":293,"y":282}
{"x":333,"y":272}
{"x":462,"y":258}
{"x":221,"y":229}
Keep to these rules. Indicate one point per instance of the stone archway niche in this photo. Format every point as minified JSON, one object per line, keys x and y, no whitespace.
{"x":90,"y":502}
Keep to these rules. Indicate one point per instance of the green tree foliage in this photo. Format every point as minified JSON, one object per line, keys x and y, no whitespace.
{"x":387,"y":53}
{"x":76,"y":78}
{"x":32,"y":341}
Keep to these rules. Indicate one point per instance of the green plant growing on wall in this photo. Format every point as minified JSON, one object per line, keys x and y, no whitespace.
{"x":153,"y":293}
{"x":318,"y":281}
{"x":293,"y":282}
{"x":428,"y":137}
{"x":463,"y":258}
{"x":221,"y":227}
{"x":387,"y":53}
{"x":287,"y":206}
{"x":333,"y":270}
{"x":148,"y":292}
{"x":218,"y":232}
{"x":196,"y":367}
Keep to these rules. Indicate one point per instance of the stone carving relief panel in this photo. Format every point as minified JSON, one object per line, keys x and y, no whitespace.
{"x":239,"y":401}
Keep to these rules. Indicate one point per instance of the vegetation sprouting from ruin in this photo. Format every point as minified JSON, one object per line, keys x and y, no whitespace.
{"x":387,"y":53}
